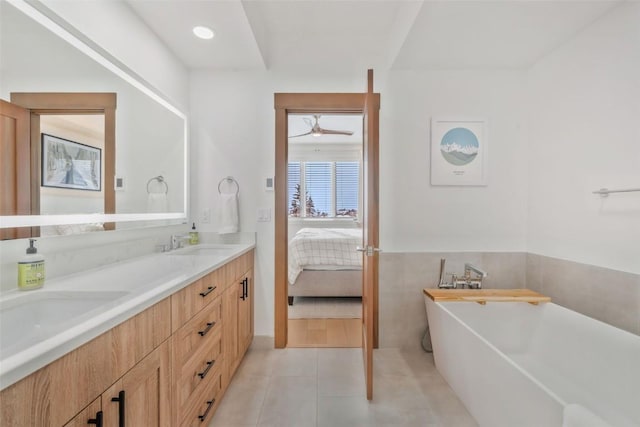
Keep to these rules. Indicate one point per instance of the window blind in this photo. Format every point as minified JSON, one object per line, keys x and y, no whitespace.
{"x":323,"y":189}
{"x":347,"y":188}
{"x":293,"y":181}
{"x":318,"y":183}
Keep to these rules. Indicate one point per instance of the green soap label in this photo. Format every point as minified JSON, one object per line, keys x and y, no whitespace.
{"x":30,"y":274}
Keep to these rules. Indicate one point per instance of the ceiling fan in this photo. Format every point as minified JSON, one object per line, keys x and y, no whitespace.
{"x":317,"y":131}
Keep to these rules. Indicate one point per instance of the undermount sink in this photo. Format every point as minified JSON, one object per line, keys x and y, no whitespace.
{"x":25,"y":318}
{"x":206,"y":250}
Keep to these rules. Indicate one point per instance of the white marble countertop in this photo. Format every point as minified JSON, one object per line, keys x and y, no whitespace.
{"x":39,"y":326}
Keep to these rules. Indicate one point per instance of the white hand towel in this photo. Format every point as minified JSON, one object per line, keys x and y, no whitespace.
{"x":157,"y":203}
{"x":228,"y":221}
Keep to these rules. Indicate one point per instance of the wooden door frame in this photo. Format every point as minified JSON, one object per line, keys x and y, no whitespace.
{"x":17,"y":175}
{"x":285,"y":103}
{"x":72,"y":103}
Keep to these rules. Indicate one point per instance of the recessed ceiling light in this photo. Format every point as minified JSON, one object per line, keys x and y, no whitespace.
{"x":203,"y":32}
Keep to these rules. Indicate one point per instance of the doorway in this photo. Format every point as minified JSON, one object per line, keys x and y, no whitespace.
{"x":324,"y":199}
{"x":367,"y":104}
{"x":79,"y":109}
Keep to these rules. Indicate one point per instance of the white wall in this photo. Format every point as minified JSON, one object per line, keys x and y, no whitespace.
{"x":584,"y":134}
{"x":233,"y":134}
{"x":415,"y":216}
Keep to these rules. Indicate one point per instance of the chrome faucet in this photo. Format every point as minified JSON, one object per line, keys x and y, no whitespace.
{"x":476,"y":281}
{"x":177,"y":240}
{"x":442,"y":283}
{"x":467,"y":280}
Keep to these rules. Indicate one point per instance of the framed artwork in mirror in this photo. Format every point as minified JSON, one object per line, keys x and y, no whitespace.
{"x":459,"y":151}
{"x":70,"y":164}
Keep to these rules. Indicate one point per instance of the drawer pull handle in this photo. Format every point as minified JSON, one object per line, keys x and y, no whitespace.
{"x":97,"y":420}
{"x":206,"y":370}
{"x":207,"y":329}
{"x":120,"y":400}
{"x":209,"y":406}
{"x":208,"y":291}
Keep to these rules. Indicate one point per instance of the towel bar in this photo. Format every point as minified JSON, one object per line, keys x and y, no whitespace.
{"x":161,"y":180}
{"x":230,"y":180}
{"x":604,"y":192}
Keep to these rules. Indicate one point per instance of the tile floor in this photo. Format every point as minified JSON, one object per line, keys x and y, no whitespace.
{"x":325,"y":387}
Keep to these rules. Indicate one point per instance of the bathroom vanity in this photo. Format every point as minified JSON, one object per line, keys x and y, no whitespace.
{"x":158,"y":354}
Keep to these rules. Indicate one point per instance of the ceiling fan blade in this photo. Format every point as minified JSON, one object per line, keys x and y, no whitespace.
{"x":302,"y":134}
{"x":308,"y":121}
{"x":336,"y":132}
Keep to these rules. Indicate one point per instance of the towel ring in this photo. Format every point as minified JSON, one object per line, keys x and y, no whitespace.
{"x":161,"y":180}
{"x":230,"y":180}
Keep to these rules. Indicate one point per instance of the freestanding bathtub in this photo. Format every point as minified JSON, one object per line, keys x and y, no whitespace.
{"x":517,"y":364}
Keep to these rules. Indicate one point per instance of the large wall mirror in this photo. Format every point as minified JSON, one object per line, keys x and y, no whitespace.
{"x":78,"y":178}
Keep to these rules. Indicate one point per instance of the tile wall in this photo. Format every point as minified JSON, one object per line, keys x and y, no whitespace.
{"x":607,"y":295}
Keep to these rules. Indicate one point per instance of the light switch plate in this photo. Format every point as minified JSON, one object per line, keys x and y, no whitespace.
{"x":264,"y":214}
{"x":206,"y":216}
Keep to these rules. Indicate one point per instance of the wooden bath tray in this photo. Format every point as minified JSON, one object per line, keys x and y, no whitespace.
{"x":482,"y":296}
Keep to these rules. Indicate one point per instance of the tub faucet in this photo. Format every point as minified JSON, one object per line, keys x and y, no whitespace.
{"x":442,"y":283}
{"x":467,"y":280}
{"x":474,"y":282}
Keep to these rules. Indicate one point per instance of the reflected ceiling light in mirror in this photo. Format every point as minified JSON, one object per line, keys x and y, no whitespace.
{"x":204,"y":33}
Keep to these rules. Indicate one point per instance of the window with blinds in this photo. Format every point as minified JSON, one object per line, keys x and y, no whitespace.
{"x":330,"y":189}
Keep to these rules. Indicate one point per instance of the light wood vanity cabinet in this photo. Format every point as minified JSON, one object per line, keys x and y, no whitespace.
{"x":239,"y":310}
{"x":208,"y":342}
{"x":92,"y":413}
{"x":55,"y":394}
{"x":142,"y":396}
{"x":139,"y":398}
{"x":173,"y":361}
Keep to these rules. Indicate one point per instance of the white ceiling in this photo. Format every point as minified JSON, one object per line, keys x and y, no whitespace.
{"x":359,"y":34}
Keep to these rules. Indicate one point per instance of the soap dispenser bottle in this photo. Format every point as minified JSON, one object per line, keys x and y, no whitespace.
{"x":31,"y":269}
{"x":194,"y":239}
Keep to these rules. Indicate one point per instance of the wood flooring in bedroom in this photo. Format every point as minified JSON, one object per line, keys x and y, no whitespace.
{"x":325,"y":333}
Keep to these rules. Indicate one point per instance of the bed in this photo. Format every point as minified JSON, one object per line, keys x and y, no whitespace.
{"x":323,"y":262}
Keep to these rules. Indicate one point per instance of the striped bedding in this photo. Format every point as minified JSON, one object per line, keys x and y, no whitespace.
{"x":324,"y":248}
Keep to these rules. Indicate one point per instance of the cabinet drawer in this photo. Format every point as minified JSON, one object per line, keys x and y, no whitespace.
{"x":203,"y":365}
{"x":202,"y":406}
{"x":197,"y":332}
{"x":190,"y":300}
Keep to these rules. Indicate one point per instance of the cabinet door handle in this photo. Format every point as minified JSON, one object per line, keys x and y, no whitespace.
{"x":120,"y":400}
{"x":208,"y":291}
{"x":245,"y":288}
{"x":206,"y":370}
{"x":97,"y":420}
{"x":209,"y":406}
{"x":207,"y":329}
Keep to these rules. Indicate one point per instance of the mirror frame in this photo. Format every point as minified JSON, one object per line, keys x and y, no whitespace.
{"x":43,"y":16}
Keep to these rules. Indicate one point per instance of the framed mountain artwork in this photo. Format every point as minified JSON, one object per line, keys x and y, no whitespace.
{"x":459,"y":151}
